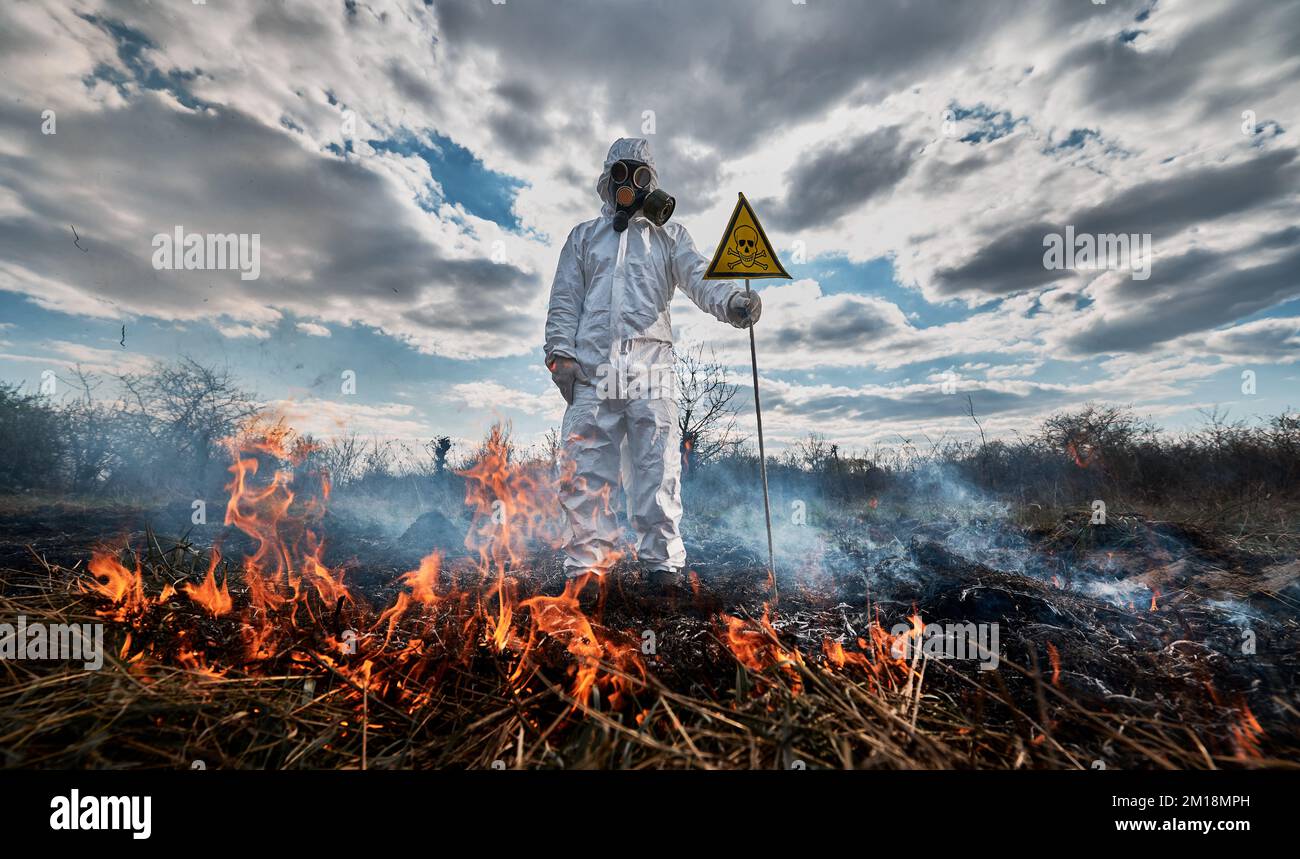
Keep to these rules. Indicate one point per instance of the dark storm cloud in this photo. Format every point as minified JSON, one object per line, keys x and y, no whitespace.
{"x":518,"y":127}
{"x":519,"y":133}
{"x":731,"y":74}
{"x":724,"y":79}
{"x":1167,"y":205}
{"x":280,"y":19}
{"x":1264,"y":340}
{"x":410,"y":84}
{"x":1289,"y":237}
{"x":1119,"y":77}
{"x":838,"y":178}
{"x":330,"y":240}
{"x":843,"y":322}
{"x":1194,"y":292}
{"x":569,"y":175}
{"x":938,"y":175}
{"x":695,"y":179}
{"x":519,"y":95}
{"x":1013,"y":261}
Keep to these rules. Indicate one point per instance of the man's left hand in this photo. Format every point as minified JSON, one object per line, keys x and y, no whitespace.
{"x":744,"y":308}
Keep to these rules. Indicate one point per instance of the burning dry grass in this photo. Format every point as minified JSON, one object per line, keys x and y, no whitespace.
{"x":723,"y":691}
{"x":319,"y":712}
{"x":167,"y":697}
{"x":494,"y":660}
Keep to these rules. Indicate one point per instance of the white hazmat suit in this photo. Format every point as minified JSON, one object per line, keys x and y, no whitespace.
{"x":609,"y":312}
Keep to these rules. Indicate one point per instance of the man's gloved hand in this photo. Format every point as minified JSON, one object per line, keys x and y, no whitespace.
{"x":566,"y":373}
{"x":744,"y":308}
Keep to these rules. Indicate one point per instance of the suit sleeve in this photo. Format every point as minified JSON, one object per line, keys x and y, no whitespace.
{"x":568,"y":291}
{"x":689,"y":267}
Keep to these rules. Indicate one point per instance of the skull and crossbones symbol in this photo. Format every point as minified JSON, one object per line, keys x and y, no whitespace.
{"x":746,"y":250}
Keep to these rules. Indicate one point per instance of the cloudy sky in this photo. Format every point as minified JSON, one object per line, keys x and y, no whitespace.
{"x":412,"y":168}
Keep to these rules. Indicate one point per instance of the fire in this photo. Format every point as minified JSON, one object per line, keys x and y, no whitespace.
{"x":423,"y":584}
{"x":122,"y":587}
{"x":1055,"y":657}
{"x":757,"y":647}
{"x":299,"y":615}
{"x":513,"y":506}
{"x":282,"y":515}
{"x":258,"y":513}
{"x":902,"y":644}
{"x":561,"y":618}
{"x":195,"y":662}
{"x":881,"y":655}
{"x":215,"y":601}
{"x":328,"y":583}
{"x":1246,"y":734}
{"x":837,"y":656}
{"x":423,"y":581}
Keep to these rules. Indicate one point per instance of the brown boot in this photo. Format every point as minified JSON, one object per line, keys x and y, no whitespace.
{"x":663,"y":581}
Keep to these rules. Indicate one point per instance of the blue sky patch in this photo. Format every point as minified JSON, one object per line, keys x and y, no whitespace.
{"x":131,"y":45}
{"x":993,"y":124}
{"x":464,"y":180}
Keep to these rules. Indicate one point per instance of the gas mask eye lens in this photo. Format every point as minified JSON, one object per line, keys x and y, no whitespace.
{"x":641,"y":178}
{"x":618,"y":173}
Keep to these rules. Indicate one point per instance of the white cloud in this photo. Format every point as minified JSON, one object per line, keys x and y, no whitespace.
{"x":328,"y":419}
{"x":67,"y":355}
{"x":312,"y":329}
{"x":494,"y":397}
{"x":238,"y":330}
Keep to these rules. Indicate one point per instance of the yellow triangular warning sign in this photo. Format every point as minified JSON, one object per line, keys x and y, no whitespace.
{"x":744,"y":250}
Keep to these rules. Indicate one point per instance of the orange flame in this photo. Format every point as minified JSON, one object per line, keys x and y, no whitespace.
{"x":513,"y":505}
{"x":423,"y":582}
{"x":757,"y":647}
{"x":122,"y":587}
{"x":881,"y":655}
{"x":215,"y":601}
{"x":1246,"y":734}
{"x":561,"y":618}
{"x":1055,"y":657}
{"x":280,"y":514}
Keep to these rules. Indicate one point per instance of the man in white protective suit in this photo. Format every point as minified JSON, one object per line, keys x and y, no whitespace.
{"x":609,"y":347}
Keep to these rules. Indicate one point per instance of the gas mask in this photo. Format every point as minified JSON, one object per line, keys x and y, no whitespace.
{"x":628,"y":184}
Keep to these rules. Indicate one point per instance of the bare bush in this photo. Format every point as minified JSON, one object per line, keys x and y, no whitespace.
{"x":186,"y":409}
{"x":706,"y":415}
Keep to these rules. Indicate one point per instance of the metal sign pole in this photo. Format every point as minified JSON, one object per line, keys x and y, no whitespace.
{"x":762,"y":459}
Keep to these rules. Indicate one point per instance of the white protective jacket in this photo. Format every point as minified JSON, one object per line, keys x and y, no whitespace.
{"x":609,"y":312}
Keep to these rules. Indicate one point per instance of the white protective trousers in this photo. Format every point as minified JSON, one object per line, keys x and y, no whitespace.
{"x":609,"y":312}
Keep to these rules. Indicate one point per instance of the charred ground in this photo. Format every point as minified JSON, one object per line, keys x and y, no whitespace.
{"x":1122,"y":645}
